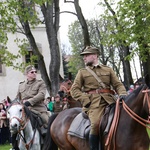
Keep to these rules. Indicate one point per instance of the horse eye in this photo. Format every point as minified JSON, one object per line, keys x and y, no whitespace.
{"x":20,"y":110}
{"x":8,"y":114}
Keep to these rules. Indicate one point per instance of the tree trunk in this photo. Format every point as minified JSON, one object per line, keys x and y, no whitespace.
{"x":83,"y":23}
{"x":52,"y":26}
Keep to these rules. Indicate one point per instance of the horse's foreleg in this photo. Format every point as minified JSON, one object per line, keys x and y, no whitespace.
{"x":21,"y":145}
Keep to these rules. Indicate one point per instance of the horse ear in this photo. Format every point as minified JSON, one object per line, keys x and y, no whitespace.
{"x":8,"y":99}
{"x":19,"y":96}
{"x":147,"y":80}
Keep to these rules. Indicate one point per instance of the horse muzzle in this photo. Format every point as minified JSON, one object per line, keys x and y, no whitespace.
{"x":14,"y":126}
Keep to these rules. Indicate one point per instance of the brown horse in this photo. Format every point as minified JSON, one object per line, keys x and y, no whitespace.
{"x":128,"y":134}
{"x":64,"y":92}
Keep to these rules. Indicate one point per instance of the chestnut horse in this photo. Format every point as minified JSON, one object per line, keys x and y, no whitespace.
{"x":130,"y":132}
{"x":64,"y":92}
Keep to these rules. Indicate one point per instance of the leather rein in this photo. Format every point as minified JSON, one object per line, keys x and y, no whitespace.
{"x":132,"y":114}
{"x":23,"y":123}
{"x":139,"y":119}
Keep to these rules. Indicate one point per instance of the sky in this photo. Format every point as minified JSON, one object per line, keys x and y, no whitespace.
{"x":90,"y":9}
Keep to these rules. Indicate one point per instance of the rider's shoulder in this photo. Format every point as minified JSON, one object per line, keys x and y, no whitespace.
{"x":104,"y":66}
{"x":82,"y":69}
{"x":21,"y":82}
{"x":39,"y":81}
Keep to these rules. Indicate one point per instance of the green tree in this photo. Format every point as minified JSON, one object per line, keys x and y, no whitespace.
{"x":134,"y":16}
{"x":76,"y":39}
{"x":98,"y":36}
{"x":22,"y":16}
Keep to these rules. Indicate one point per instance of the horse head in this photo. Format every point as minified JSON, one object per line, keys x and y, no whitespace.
{"x":16,"y":116}
{"x":23,"y":124}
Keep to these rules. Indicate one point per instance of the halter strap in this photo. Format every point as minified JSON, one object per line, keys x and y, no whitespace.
{"x":23,"y":125}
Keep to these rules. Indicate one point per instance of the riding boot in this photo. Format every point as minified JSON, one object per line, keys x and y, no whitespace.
{"x":94,"y":142}
{"x":14,"y":142}
{"x":43,"y":130}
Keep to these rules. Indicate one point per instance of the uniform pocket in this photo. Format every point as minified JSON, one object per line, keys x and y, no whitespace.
{"x":105,"y":77}
{"x":34,"y":90}
{"x":22,"y":90}
{"x":85,"y":99}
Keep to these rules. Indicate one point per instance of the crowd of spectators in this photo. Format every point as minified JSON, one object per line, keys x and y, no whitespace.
{"x":132,"y":88}
{"x":55,"y":104}
{"x":4,"y":126}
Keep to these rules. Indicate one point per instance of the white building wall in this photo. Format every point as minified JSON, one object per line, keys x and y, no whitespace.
{"x":9,"y":83}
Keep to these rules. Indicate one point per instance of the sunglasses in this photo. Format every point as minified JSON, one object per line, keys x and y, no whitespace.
{"x":57,"y":97}
{"x":33,"y":72}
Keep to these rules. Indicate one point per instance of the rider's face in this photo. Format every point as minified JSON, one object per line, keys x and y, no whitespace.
{"x":31,"y":75}
{"x":89,"y":59}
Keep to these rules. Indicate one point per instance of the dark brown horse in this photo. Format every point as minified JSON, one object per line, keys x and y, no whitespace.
{"x":64,"y":92}
{"x":129,"y":133}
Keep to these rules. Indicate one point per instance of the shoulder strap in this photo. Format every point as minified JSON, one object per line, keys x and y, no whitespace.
{"x":96,"y":77}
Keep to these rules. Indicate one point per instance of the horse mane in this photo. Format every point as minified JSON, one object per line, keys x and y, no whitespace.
{"x":134,"y":93}
{"x":31,"y":116}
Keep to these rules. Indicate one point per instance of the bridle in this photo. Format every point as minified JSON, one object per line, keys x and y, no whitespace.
{"x":144,"y":122}
{"x":139,"y":119}
{"x":23,"y":123}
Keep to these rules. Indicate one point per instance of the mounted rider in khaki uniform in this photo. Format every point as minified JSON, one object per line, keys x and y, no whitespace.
{"x":32,"y":93}
{"x":94,"y":95}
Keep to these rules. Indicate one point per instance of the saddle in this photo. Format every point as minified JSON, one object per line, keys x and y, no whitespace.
{"x":80,"y":126}
{"x":38,"y":121}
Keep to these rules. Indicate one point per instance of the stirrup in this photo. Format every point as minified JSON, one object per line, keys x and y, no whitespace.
{"x":43,"y":131}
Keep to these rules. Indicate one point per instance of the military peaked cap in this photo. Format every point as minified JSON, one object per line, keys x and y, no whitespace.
{"x":90,"y":50}
{"x":29,"y":68}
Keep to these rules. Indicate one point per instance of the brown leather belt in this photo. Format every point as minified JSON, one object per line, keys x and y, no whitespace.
{"x":99,"y":91}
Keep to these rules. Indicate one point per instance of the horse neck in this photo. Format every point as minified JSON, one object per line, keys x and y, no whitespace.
{"x":28,"y":130}
{"x":133,"y":130}
{"x":136,"y":104}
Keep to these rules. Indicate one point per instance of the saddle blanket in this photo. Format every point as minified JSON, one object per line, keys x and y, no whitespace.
{"x":79,"y":127}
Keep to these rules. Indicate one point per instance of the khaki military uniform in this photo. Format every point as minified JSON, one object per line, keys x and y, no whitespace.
{"x":85,"y":82}
{"x":34,"y":91}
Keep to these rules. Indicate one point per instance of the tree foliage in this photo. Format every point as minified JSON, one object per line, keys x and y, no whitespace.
{"x":121,"y":33}
{"x":22,"y":16}
{"x":134,"y":15}
{"x":98,"y":36}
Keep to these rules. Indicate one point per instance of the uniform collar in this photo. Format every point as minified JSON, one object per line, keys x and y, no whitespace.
{"x":95,"y":66}
{"x":30,"y":82}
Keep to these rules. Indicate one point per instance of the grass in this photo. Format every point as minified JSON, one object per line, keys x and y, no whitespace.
{"x":5,"y":146}
{"x":148,"y":130}
{"x":8,"y":146}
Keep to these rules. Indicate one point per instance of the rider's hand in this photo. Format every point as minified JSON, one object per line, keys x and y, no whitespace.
{"x":27,"y":103}
{"x":122,"y":97}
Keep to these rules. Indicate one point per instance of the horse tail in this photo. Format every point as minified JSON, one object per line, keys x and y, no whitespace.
{"x":49,"y":144}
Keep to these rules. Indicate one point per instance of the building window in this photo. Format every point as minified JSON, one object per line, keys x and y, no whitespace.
{"x":28,"y":57}
{"x":2,"y":68}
